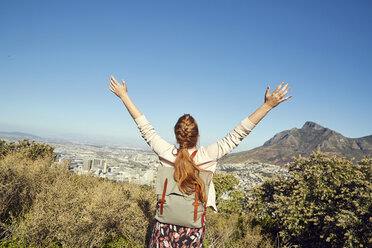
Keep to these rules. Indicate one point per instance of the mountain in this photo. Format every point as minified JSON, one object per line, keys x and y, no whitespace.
{"x":14,"y":136}
{"x":19,"y":136}
{"x":280,"y":148}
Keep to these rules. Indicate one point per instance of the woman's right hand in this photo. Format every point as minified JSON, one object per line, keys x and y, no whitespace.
{"x":117,"y":88}
{"x":276,"y":97}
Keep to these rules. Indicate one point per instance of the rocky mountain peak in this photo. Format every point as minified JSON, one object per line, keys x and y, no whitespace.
{"x":284,"y":145}
{"x":310,"y":125}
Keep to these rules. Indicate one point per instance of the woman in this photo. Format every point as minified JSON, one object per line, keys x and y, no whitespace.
{"x":188,"y":160}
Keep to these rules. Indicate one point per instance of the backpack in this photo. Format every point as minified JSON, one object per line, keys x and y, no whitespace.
{"x":175,"y":207}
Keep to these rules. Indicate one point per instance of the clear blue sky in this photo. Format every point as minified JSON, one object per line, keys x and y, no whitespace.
{"x":212,"y":59}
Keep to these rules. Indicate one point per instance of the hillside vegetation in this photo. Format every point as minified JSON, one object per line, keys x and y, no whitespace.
{"x":44,"y":205}
{"x":326,"y":202}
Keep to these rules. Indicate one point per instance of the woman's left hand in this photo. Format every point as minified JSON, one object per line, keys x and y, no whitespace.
{"x":117,"y":88}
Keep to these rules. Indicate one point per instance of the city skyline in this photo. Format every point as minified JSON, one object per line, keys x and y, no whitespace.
{"x":212,"y":60}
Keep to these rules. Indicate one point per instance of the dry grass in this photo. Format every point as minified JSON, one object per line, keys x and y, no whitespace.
{"x":233,"y":230}
{"x":55,"y":206}
{"x":21,"y":180}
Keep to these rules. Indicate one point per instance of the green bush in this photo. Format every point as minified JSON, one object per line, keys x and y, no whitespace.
{"x":232,"y":226}
{"x":326,"y":202}
{"x":229,"y":198}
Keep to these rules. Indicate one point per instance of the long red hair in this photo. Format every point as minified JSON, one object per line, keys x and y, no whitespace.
{"x":187,"y":173}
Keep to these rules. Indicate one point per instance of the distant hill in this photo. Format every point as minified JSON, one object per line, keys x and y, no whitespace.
{"x":14,"y":136}
{"x":19,"y":136}
{"x":280,"y":148}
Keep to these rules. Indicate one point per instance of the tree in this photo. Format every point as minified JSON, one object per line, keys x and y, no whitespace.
{"x":326,"y":202}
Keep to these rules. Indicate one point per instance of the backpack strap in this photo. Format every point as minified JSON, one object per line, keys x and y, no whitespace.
{"x":196,"y":202}
{"x":163,"y":196}
{"x":204,"y":214}
{"x":192,"y":154}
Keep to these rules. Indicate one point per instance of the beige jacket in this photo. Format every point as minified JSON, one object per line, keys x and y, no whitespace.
{"x":206,"y":157}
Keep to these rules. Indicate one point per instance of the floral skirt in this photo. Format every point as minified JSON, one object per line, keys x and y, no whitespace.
{"x":174,"y":236}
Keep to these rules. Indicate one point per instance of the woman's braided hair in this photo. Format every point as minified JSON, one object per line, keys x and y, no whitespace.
{"x":187,"y":173}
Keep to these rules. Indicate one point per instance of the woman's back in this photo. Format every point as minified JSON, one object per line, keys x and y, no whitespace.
{"x":206,"y":157}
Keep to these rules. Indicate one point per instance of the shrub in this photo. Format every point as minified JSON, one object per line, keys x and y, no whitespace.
{"x":231,"y":226}
{"x":326,"y":202}
{"x":83,"y":212}
{"x":31,"y":150}
{"x":233,"y":230}
{"x":42,"y":204}
{"x":21,"y":180}
{"x":229,"y":198}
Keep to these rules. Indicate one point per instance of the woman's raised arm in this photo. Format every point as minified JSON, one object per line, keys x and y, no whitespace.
{"x":122,"y":93}
{"x":232,"y":139}
{"x":153,"y":139}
